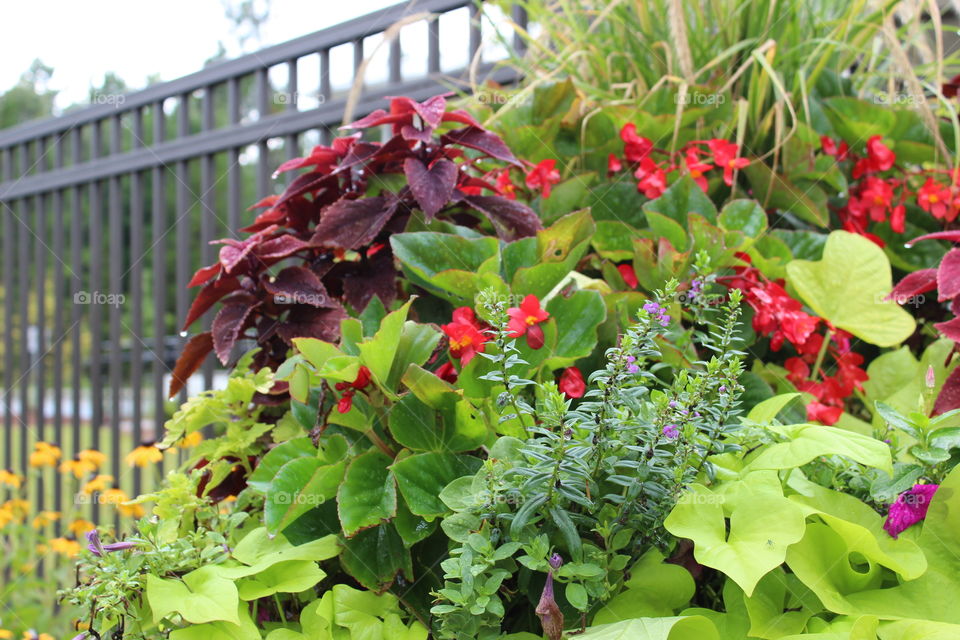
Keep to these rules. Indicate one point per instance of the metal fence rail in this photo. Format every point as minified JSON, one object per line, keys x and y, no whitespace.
{"x":107,"y":211}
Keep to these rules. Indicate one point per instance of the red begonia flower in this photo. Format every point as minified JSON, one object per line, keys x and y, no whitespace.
{"x":543,"y":176}
{"x":572,"y":383}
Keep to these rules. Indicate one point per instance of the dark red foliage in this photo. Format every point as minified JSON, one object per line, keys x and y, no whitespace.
{"x":333,"y":238}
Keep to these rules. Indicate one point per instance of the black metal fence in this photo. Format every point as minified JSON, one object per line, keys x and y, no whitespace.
{"x":107,"y":211}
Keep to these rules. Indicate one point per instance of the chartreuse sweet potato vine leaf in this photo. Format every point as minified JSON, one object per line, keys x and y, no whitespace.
{"x":673,"y":628}
{"x":847,"y":287}
{"x":848,"y":579}
{"x":807,"y":442}
{"x":203,"y":595}
{"x":655,"y":588}
{"x":763,"y":524}
{"x":245,"y":629}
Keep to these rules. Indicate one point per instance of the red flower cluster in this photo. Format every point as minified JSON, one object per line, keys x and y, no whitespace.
{"x":350,"y":388}
{"x":571,"y":383}
{"x":880,"y":199}
{"x":467,"y":336}
{"x":526,"y":319}
{"x":651,"y":175}
{"x":541,"y":177}
{"x":782,"y":319}
{"x":831,"y":391}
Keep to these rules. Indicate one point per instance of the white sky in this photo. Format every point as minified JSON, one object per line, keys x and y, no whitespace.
{"x":83,"y":39}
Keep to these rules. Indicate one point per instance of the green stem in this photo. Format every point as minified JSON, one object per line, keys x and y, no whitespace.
{"x":823,"y":352}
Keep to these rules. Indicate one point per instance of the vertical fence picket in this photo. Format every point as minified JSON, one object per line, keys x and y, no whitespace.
{"x":79,"y":232}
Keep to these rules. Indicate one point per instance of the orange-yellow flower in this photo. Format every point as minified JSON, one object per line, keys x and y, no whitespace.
{"x":144,"y":455}
{"x":65,"y":546}
{"x":44,"y":455}
{"x":99,"y":483}
{"x":77,"y":467}
{"x":191,"y":440}
{"x":44,"y":518}
{"x":80,"y":527}
{"x":93,"y":457}
{"x":11,"y":480}
{"x":18,"y":509}
{"x":5,"y":634}
{"x":118,"y":497}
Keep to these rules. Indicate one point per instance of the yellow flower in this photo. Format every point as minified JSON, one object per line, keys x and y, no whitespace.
{"x":93,"y":457}
{"x":77,"y":467}
{"x":45,"y":636}
{"x":99,"y":483}
{"x":44,"y":518}
{"x":118,"y":497}
{"x":144,"y":455}
{"x":5,"y":634}
{"x":42,"y":549}
{"x":11,"y":480}
{"x":65,"y":546}
{"x":80,"y":527}
{"x":18,"y":509}
{"x":44,"y":455}
{"x":191,"y":440}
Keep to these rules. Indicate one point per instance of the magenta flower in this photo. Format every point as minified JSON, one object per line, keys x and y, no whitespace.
{"x":909,"y":508}
{"x":671,"y":431}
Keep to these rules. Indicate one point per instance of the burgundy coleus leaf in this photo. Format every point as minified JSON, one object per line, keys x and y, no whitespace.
{"x":324,"y":158}
{"x":208,"y":296}
{"x":377,"y":118}
{"x":375,"y":277}
{"x":204,"y":275}
{"x":233,"y":252}
{"x":952,"y":236}
{"x":948,"y":276}
{"x":267,"y":219}
{"x":481,"y":140}
{"x":312,"y":182}
{"x":193,"y":355}
{"x":409,"y":132}
{"x":351,"y":224}
{"x":949,"y":329}
{"x":298,"y":285}
{"x":949,"y":396}
{"x":510,"y":218}
{"x":432,"y":187}
{"x":280,"y":247}
{"x":308,"y":322}
{"x":227,"y":325}
{"x":461,"y":116}
{"x":430,"y":110}
{"x":914,"y":284}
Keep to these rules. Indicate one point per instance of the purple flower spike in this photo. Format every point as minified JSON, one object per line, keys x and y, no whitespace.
{"x":632,"y":368}
{"x":671,"y":431}
{"x":555,"y":561}
{"x":909,"y":508}
{"x":80,"y":636}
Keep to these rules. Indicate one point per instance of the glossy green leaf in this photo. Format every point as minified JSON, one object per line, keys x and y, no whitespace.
{"x":577,"y":319}
{"x":269,"y":466}
{"x":375,"y":556}
{"x":300,"y":485}
{"x":423,"y":476}
{"x":368,"y":494}
{"x":379,"y":352}
{"x":683,"y":197}
{"x":655,"y":589}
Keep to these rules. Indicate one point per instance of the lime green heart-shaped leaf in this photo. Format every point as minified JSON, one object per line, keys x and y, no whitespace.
{"x":848,"y":287}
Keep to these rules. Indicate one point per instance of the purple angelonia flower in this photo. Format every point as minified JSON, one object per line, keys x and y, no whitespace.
{"x":555,"y":561}
{"x":657,"y":312}
{"x":671,"y":431}
{"x":909,"y":508}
